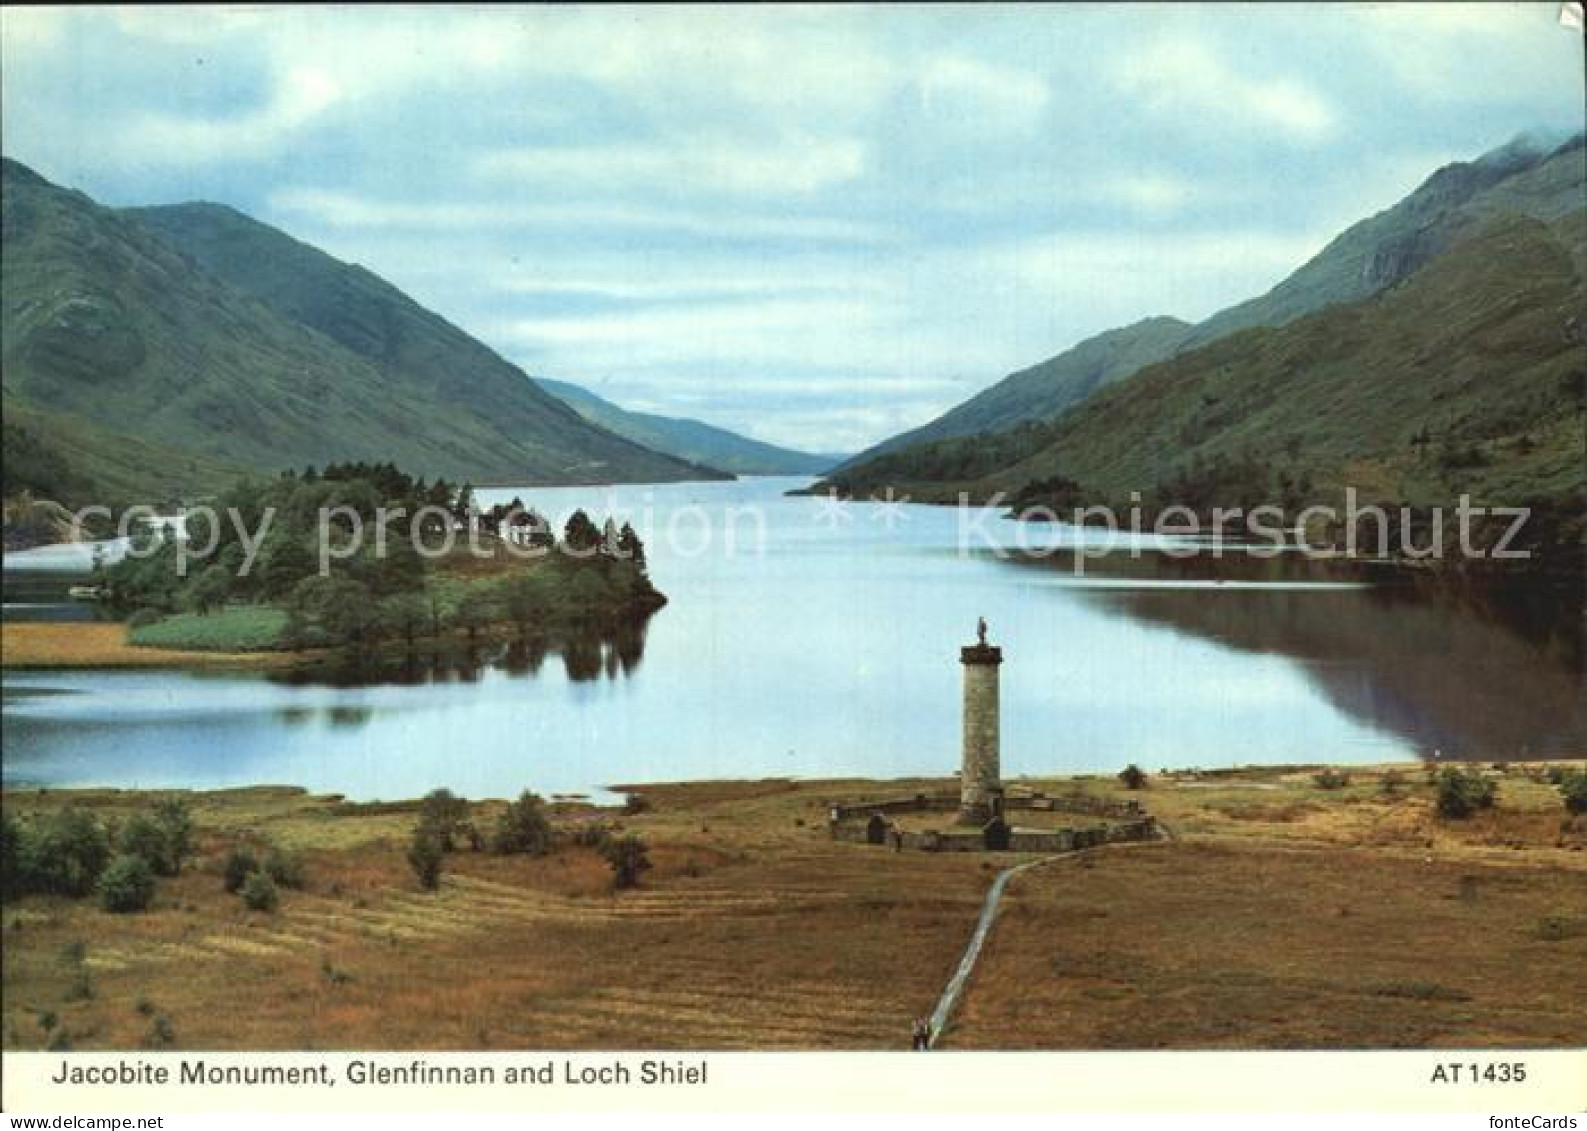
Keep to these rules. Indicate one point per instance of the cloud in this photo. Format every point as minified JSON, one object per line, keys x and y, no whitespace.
{"x":29,"y":29}
{"x":689,"y":284}
{"x":1430,"y":49}
{"x":947,"y":318}
{"x":1183,"y":270}
{"x":1153,"y":194}
{"x":1188,"y":80}
{"x":327,"y":207}
{"x":790,"y":331}
{"x":799,"y":165}
{"x":814,"y":221}
{"x":303,"y":95}
{"x":973,"y":95}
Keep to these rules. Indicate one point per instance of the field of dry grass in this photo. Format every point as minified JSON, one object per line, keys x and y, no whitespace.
{"x":105,"y":645}
{"x":1282,"y":915}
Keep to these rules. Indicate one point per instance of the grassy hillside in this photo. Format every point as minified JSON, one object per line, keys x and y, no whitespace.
{"x":1527,"y":177}
{"x":410,"y":346}
{"x":1466,"y":378}
{"x":137,"y":368}
{"x":691,"y":440}
{"x":61,"y":456}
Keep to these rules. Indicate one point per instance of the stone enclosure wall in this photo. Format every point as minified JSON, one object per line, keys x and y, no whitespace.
{"x":1013,"y":801}
{"x":868,"y":823}
{"x":1019,"y":840}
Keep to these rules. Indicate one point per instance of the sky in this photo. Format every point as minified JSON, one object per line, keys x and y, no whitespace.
{"x":817,"y":226}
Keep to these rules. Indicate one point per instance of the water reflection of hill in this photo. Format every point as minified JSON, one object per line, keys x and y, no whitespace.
{"x":1471,"y":672}
{"x":608,"y":654}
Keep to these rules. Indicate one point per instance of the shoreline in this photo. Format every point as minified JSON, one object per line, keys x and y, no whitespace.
{"x":862,"y":790}
{"x":56,"y":645}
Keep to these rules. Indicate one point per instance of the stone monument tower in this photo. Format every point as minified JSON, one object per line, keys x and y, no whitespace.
{"x":980,"y":780}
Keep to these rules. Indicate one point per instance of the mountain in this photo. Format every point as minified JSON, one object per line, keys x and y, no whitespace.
{"x":154,"y":351}
{"x":1530,"y":176}
{"x":1527,"y":177}
{"x":691,"y":440}
{"x":1466,"y":377}
{"x":1051,"y":386}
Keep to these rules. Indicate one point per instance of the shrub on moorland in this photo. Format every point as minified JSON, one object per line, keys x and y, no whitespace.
{"x":523,"y":827}
{"x":628,"y":858}
{"x":1463,"y":792}
{"x":425,"y":856}
{"x":240,"y":864}
{"x":259,"y":892}
{"x":126,"y":885}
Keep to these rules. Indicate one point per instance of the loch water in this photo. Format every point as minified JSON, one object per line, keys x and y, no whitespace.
{"x":814,"y":639}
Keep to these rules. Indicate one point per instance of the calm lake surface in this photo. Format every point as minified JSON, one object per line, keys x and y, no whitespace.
{"x":828,"y":646}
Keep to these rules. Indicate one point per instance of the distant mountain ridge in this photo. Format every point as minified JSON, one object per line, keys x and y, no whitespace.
{"x":159,"y":349}
{"x":1049,"y":387}
{"x":1528,"y":176}
{"x":691,"y":440}
{"x":1466,"y":378}
{"x":1469,"y":377}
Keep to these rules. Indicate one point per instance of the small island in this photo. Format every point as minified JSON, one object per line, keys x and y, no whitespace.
{"x":357,"y":561}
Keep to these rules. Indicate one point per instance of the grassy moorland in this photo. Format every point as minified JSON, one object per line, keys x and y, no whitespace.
{"x":1283,"y":914}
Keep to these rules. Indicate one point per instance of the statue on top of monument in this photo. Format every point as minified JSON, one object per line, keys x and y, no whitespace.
{"x":980,"y":630}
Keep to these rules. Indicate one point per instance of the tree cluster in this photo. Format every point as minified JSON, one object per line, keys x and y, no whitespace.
{"x":523,"y":828}
{"x":258,"y":880}
{"x":385,"y":589}
{"x":288,"y":553}
{"x":446,"y":820}
{"x":71,"y":853}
